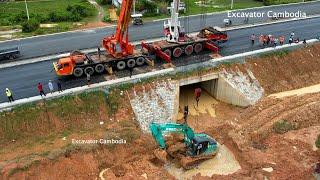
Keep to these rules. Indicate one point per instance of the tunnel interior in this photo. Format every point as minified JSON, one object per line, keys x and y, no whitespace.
{"x":187,"y":97}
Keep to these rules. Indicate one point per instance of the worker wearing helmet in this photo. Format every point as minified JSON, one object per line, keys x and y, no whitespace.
{"x":9,"y":95}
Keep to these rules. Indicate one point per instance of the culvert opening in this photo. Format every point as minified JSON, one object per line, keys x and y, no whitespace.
{"x":207,"y":101}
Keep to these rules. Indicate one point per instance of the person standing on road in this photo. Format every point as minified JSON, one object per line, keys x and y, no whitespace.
{"x":281,"y":40}
{"x":50,"y":85}
{"x":88,"y":79}
{"x":40,"y":89}
{"x":292,"y":34}
{"x":131,"y":71}
{"x":59,"y":86}
{"x":99,"y":52}
{"x":290,"y":40}
{"x":9,"y":95}
{"x":252,"y":38}
{"x":276,"y":41}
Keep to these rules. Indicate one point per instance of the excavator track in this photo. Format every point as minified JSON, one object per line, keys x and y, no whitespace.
{"x":178,"y":152}
{"x":188,"y":162}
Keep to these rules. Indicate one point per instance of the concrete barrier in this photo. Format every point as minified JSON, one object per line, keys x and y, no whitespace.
{"x":139,"y":77}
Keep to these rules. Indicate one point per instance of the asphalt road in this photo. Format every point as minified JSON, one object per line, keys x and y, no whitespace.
{"x":66,"y":42}
{"x":23,"y":79}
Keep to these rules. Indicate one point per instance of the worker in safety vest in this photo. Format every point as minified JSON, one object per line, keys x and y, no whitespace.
{"x":261,"y":39}
{"x":197,"y":93}
{"x":9,"y":95}
{"x":281,"y":40}
{"x":252,"y":38}
{"x":272,"y":40}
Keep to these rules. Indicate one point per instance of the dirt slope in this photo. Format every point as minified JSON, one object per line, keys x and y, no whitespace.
{"x":282,"y":72}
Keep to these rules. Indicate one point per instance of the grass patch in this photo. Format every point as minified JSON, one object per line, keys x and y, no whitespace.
{"x":275,"y":2}
{"x":281,"y":53}
{"x":283,"y":126}
{"x":218,"y":5}
{"x":58,"y":116}
{"x":12,"y":13}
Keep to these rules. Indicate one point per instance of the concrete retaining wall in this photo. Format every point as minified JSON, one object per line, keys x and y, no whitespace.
{"x":225,"y":92}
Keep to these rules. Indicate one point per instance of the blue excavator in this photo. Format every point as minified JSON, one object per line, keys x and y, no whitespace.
{"x":194,"y":148}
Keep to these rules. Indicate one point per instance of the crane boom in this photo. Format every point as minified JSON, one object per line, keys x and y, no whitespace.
{"x":117,"y":45}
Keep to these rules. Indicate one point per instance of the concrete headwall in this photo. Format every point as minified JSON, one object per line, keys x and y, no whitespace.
{"x":225,"y":92}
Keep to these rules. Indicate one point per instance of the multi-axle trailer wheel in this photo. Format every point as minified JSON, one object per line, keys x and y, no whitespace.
{"x":101,"y":67}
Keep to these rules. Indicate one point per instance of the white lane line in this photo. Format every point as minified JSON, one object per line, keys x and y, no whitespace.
{"x":138,"y":77}
{"x":47,"y":58}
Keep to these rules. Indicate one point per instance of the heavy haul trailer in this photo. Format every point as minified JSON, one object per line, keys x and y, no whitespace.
{"x":178,"y":43}
{"x":119,"y":52}
{"x":192,"y":44}
{"x":78,"y":63}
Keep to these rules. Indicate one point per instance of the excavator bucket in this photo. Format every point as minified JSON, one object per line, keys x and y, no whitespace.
{"x":161,"y":155}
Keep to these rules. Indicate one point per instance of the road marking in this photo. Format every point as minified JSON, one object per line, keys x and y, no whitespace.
{"x":57,"y":56}
{"x":139,"y":77}
{"x":110,"y":26}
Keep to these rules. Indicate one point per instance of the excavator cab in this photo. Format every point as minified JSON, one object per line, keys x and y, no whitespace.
{"x":200,"y":145}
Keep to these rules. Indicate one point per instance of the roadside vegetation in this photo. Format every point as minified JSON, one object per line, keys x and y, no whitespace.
{"x":61,"y":14}
{"x":274,"y":2}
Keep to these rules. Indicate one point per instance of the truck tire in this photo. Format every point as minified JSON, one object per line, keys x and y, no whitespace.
{"x":78,"y":72}
{"x":188,"y":50}
{"x":177,"y":52}
{"x":121,"y":65}
{"x":168,"y":52}
{"x":89,"y":70}
{"x":140,"y":61}
{"x":131,"y":63}
{"x":198,"y":48}
{"x":99,"y":68}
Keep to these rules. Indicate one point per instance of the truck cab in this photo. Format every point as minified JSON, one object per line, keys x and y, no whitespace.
{"x":65,"y":66}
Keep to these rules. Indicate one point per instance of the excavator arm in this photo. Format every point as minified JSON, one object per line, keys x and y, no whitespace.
{"x":158,"y":130}
{"x":118,"y":45}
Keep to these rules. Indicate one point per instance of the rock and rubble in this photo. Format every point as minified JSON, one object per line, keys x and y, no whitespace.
{"x":154,"y":102}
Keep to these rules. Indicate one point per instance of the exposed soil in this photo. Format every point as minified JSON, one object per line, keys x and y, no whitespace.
{"x":298,"y":69}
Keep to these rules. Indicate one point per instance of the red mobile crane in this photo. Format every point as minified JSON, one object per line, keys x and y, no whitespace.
{"x":120,"y":53}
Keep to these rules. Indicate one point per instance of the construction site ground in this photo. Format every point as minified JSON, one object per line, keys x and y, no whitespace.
{"x":272,"y":139}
